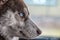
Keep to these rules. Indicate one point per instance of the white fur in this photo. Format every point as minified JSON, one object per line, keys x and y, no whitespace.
{"x":15,"y":38}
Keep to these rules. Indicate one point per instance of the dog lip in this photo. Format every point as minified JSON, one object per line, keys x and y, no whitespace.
{"x":23,"y":34}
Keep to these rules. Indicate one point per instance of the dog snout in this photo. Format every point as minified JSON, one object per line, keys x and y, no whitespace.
{"x":34,"y":28}
{"x":38,"y":31}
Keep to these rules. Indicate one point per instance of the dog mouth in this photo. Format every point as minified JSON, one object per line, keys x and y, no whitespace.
{"x":29,"y":36}
{"x":23,"y":33}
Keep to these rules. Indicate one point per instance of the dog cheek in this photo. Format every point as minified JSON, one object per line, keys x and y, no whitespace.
{"x":22,"y":24}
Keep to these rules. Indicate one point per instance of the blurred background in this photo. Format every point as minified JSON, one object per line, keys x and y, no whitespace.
{"x":46,"y":15}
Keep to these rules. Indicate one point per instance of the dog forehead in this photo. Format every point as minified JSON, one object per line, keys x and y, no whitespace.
{"x":20,"y":0}
{"x":22,"y":3}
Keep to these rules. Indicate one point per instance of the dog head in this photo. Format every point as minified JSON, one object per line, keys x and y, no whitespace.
{"x":14,"y":20}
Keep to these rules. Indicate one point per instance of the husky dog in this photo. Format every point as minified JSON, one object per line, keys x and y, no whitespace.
{"x":14,"y":21}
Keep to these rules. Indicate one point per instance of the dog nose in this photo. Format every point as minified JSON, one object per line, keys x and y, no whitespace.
{"x":38,"y":32}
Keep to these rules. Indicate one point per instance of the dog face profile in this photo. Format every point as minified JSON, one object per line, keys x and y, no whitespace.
{"x":14,"y":20}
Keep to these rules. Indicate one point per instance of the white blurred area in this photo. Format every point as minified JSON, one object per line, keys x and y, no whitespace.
{"x":39,"y":1}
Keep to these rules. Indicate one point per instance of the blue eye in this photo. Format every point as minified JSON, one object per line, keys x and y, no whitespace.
{"x":22,"y":14}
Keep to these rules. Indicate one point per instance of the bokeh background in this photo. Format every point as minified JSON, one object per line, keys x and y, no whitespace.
{"x":46,"y":15}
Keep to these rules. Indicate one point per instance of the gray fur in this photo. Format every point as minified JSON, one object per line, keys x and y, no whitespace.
{"x":12,"y":25}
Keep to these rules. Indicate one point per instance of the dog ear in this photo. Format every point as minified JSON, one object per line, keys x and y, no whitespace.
{"x":2,"y":2}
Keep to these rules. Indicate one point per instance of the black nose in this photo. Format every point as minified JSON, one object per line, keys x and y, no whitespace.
{"x":38,"y":32}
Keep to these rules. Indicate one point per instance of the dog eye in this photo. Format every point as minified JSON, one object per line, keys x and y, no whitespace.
{"x":22,"y":14}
